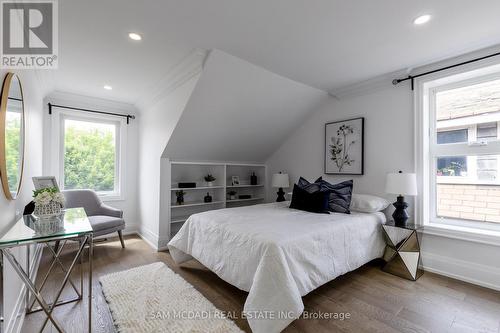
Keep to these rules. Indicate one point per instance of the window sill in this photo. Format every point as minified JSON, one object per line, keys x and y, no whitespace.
{"x":490,"y":237}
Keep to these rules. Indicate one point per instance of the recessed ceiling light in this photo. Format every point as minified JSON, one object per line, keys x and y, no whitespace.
{"x":134,"y":36}
{"x":422,"y":19}
{"x":108,"y":87}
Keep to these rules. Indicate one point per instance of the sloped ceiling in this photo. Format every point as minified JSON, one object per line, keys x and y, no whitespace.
{"x":239,"y":112}
{"x":327,"y":44}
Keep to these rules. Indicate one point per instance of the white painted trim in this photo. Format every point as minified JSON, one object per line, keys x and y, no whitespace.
{"x":148,"y":236}
{"x":482,"y":275}
{"x":56,"y":139}
{"x":81,"y":101}
{"x":464,"y":234}
{"x":189,"y":67}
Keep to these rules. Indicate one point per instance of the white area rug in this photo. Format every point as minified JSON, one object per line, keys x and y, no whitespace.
{"x":153,"y":298}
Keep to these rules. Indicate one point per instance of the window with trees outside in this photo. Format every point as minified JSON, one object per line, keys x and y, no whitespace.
{"x":464,"y":152}
{"x":90,"y":155}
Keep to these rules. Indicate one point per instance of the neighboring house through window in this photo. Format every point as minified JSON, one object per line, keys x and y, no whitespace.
{"x":462,"y":152}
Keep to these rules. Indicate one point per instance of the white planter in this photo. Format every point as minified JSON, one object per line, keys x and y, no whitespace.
{"x":232,"y":197}
{"x":52,"y":209}
{"x":210,"y":184}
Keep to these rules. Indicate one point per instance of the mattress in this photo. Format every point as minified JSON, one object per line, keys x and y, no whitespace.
{"x":278,"y":254}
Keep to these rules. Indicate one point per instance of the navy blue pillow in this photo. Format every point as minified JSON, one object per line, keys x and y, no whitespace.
{"x":316,"y":202}
{"x":340,"y":195}
{"x":309,"y":187}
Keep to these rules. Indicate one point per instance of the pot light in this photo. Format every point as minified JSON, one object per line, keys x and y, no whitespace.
{"x":108,"y":87}
{"x":422,"y":19}
{"x":134,"y":36}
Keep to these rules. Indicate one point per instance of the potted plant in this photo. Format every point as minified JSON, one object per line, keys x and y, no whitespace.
{"x":180,"y":197}
{"x":232,"y":195}
{"x":48,"y":202}
{"x":210,"y":180}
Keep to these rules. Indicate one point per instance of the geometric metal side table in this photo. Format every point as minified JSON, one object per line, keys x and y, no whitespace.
{"x":402,"y":250}
{"x":73,"y":225}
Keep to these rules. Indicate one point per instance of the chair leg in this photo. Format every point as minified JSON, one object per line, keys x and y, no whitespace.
{"x":121,"y":238}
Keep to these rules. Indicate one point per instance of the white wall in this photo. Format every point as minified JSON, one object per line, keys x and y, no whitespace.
{"x":239,"y":112}
{"x":129,"y":201}
{"x":389,"y":146}
{"x":156,"y":126}
{"x":10,"y":210}
{"x":388,"y":140}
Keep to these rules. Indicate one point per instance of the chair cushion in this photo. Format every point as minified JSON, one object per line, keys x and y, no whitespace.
{"x":102,"y":222}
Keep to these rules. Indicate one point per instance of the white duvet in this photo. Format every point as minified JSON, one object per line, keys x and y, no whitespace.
{"x":278,"y":254}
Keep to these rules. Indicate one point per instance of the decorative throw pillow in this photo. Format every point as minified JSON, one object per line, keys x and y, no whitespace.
{"x":316,"y":202}
{"x":368,"y":203}
{"x":309,"y":187}
{"x":340,"y":195}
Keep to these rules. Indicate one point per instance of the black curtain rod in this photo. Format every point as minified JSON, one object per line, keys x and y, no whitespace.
{"x":413,"y":77}
{"x":92,"y":111}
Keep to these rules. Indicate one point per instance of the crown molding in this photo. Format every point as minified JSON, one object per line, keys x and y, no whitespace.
{"x":385,"y":81}
{"x":82,"y":101}
{"x":189,"y":67}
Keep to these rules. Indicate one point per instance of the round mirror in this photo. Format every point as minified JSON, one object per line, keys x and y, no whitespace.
{"x":11,"y":135}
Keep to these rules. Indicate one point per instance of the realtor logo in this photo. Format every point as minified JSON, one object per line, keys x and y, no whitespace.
{"x":29,"y":34}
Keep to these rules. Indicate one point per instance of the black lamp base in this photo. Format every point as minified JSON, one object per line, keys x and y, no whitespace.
{"x":400,"y":215}
{"x":281,"y":195}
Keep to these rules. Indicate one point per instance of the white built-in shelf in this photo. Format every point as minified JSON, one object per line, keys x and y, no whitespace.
{"x":196,"y":188}
{"x":194,"y":172}
{"x":192,"y":204}
{"x":242,"y":200}
{"x":244,"y":186}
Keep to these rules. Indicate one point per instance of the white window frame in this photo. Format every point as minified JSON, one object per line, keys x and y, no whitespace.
{"x":427,"y":149}
{"x":57,"y":138}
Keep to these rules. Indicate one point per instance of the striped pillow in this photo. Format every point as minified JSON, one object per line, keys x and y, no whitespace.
{"x":340,"y":195}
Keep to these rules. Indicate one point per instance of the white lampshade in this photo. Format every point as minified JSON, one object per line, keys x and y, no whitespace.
{"x":401,"y":183}
{"x":280,"y":180}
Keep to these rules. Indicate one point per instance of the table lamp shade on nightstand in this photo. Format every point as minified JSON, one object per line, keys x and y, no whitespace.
{"x":280,"y":180}
{"x":402,"y":184}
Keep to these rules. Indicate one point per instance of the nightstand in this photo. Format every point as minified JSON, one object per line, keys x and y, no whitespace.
{"x":402,"y":250}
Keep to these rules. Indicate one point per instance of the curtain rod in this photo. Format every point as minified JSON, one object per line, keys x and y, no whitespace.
{"x":413,"y":77}
{"x":92,"y":111}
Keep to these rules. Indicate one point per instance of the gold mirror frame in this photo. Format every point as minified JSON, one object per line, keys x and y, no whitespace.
{"x":3,"y":115}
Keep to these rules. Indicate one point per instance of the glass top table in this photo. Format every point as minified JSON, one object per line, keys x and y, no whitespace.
{"x":72,"y":222}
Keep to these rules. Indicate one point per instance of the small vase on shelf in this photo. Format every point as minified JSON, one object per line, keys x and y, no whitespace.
{"x":253,"y":179}
{"x":207,"y":198}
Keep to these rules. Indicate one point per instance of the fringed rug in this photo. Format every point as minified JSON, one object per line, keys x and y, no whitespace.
{"x":153,"y":298}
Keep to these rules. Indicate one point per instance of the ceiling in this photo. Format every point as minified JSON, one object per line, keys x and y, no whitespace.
{"x":326,"y":44}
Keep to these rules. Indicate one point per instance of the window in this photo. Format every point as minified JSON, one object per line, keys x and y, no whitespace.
{"x":464,"y":151}
{"x":90,"y":152}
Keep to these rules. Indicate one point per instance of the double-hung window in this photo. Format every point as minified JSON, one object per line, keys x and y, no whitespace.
{"x":89,"y":153}
{"x":462,"y":164}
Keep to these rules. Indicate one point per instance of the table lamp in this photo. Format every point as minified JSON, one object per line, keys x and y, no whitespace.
{"x":280,"y":180}
{"x":401,"y":184}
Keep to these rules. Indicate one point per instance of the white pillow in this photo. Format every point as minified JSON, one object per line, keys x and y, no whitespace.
{"x":368,"y":203}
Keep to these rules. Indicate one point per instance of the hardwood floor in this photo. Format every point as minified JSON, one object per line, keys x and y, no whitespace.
{"x":376,"y":301}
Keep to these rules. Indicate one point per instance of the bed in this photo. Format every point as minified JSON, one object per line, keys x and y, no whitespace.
{"x":278,"y":254}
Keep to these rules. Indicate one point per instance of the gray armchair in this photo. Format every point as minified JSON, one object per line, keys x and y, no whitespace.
{"x":103,"y":218}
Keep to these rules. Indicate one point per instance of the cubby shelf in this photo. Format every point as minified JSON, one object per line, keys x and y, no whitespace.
{"x":242,"y":200}
{"x":244,"y":186}
{"x":223,"y":172}
{"x":197,"y":188}
{"x":192,"y":204}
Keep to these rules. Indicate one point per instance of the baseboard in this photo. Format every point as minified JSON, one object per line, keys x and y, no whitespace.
{"x":481,"y":275}
{"x":15,"y":323}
